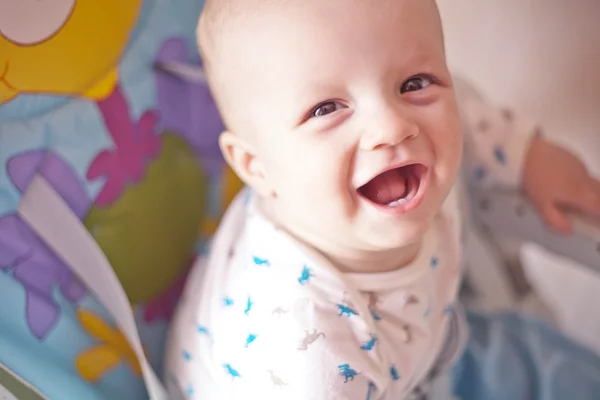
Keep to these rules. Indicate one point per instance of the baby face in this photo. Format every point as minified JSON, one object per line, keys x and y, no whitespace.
{"x":354,"y":121}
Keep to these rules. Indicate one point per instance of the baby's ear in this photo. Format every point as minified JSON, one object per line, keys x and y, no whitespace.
{"x":240,"y":157}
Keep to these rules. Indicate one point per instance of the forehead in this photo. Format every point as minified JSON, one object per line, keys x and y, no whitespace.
{"x":288,"y":48}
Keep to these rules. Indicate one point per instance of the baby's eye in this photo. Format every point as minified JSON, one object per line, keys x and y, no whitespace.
{"x":415,"y":83}
{"x":326,"y":108}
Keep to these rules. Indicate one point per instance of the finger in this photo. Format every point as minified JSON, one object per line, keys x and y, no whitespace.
{"x":556,"y":219}
{"x":594,"y":205}
{"x":587,"y":197}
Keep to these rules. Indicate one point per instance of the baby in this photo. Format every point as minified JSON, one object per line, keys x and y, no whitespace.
{"x":336,"y":275}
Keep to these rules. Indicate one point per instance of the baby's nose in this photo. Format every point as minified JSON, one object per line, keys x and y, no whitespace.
{"x":389,"y":131}
{"x":28,"y":22}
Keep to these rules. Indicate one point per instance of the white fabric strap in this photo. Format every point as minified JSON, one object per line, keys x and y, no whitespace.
{"x":5,"y":394}
{"x":47,"y":214}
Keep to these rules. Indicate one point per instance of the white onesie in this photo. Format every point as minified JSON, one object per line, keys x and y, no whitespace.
{"x":265,"y":317}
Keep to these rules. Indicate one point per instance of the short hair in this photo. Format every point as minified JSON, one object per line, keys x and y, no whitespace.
{"x":216,"y":18}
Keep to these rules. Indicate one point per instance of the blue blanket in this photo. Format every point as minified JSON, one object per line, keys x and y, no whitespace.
{"x":510,"y":357}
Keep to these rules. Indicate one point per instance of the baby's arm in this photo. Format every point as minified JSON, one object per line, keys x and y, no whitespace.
{"x":502,"y":149}
{"x":496,"y":141}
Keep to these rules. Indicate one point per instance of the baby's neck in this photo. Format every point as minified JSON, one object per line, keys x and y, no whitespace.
{"x":372,"y":262}
{"x":350,"y":260}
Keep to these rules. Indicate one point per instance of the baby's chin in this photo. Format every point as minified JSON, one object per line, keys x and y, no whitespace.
{"x":394,"y":235}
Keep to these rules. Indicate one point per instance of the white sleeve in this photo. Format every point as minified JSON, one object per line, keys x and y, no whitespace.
{"x":306,"y":354}
{"x":496,"y":141}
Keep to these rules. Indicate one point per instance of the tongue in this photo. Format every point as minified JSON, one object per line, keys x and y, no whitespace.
{"x":385,"y":188}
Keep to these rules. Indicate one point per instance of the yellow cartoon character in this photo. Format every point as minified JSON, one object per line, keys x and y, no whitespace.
{"x":62,"y":47}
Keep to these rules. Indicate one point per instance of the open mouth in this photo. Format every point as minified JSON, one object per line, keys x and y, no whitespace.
{"x":398,"y":189}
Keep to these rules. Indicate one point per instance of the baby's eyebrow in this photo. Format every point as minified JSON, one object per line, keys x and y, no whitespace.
{"x":315,"y":92}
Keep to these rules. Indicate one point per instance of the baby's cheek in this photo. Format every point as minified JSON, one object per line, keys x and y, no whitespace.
{"x":449,"y":146}
{"x":447,"y":169}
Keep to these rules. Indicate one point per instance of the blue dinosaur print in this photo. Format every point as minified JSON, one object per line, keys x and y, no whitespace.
{"x":448,"y":309}
{"x":345,"y":311}
{"x":202,"y":330}
{"x":480,"y":173}
{"x":370,"y":344}
{"x":189,"y":391}
{"x":187,"y":356}
{"x":371,"y":391}
{"x":375,"y":316}
{"x":347,"y":373}
{"x":434,"y":262}
{"x":261,"y":262}
{"x":231,"y":372}
{"x":228,"y":301}
{"x":305,"y":275}
{"x":394,"y":373}
{"x":249,"y":304}
{"x":500,"y":155}
{"x":251,"y":338}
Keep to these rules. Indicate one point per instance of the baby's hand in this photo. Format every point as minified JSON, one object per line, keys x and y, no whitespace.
{"x":555,"y":180}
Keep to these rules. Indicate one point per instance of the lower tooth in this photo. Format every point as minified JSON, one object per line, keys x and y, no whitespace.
{"x":396,"y":202}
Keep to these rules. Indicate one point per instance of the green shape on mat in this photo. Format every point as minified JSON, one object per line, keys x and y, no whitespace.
{"x":10,"y":384}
